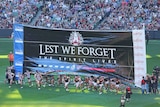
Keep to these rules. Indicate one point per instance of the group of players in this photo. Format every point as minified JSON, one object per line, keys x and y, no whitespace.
{"x":98,"y":83}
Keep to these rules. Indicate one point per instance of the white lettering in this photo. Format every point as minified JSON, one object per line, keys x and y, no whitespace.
{"x":45,"y":49}
{"x":65,"y":49}
{"x":112,"y":52}
{"x":80,"y":51}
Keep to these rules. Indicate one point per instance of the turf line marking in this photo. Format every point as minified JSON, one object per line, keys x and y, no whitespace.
{"x":3,"y":56}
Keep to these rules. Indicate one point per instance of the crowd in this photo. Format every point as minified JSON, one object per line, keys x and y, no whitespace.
{"x":19,"y":11}
{"x":133,"y":14}
{"x":149,"y":84}
{"x":82,"y":14}
{"x":73,"y":14}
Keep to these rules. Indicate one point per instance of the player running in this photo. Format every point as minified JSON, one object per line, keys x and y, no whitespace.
{"x":38,"y":78}
{"x":28,"y":75}
{"x":66,"y":80}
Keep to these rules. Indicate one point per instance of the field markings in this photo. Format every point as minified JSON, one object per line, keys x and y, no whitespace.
{"x":14,"y":95}
{"x":148,"y":56}
{"x":158,"y":55}
{"x":3,"y":56}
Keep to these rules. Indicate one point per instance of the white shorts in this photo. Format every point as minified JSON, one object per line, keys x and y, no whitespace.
{"x":66,"y":84}
{"x":94,"y":83}
{"x":100,"y":85}
{"x":107,"y":83}
{"x":77,"y":84}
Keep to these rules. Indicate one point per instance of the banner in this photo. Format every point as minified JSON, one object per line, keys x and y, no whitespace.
{"x":77,"y":51}
{"x":18,"y":48}
{"x":139,"y":56}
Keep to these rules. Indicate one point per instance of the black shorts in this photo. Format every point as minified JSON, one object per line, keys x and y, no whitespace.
{"x":6,"y":76}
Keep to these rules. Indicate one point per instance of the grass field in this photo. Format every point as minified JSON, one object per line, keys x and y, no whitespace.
{"x":58,"y":97}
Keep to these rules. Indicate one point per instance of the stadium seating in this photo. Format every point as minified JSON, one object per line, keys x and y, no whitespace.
{"x":82,"y":14}
{"x":17,"y":11}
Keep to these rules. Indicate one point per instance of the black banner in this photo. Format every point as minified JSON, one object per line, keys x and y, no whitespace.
{"x":96,"y":52}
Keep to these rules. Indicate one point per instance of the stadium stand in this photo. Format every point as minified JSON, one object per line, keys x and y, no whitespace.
{"x":72,"y":14}
{"x":82,"y":14}
{"x":132,"y":14}
{"x":19,"y":11}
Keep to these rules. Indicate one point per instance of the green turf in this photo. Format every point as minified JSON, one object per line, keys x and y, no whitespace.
{"x":153,"y":50}
{"x":58,"y":97}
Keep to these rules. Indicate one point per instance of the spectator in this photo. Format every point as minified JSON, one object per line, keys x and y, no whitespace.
{"x":147,"y":82}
